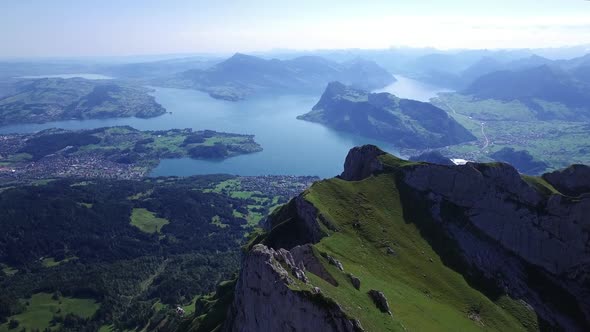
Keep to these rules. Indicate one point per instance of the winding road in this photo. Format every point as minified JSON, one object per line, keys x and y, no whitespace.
{"x":486,"y":139}
{"x":482,"y":124}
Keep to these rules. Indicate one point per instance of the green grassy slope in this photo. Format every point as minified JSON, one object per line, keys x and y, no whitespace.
{"x":146,"y":221}
{"x":41,"y":308}
{"x":424,"y":294}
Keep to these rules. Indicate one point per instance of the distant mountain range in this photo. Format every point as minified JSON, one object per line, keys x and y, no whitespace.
{"x":383,"y":116}
{"x":459,"y":70}
{"x":244,"y":75}
{"x":534,"y":86}
{"x":53,"y":99}
{"x":161,"y":68}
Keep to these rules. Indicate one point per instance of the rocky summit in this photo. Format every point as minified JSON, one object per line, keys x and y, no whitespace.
{"x":394,"y":245}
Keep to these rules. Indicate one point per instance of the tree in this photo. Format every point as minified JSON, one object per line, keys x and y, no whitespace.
{"x":56,"y":295}
{"x":13,"y":324}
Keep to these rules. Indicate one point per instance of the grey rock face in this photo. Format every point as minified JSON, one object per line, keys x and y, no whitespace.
{"x":573,"y":181}
{"x":361,"y":162}
{"x":513,"y":223}
{"x":433,"y":157}
{"x":548,"y":233}
{"x":335,"y":262}
{"x":380,"y":300}
{"x":309,"y":214}
{"x":390,"y":251}
{"x":284,"y":256}
{"x":356,"y":282}
{"x":264,"y":302}
{"x":303,"y":255}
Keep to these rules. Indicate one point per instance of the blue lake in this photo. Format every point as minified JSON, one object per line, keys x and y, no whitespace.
{"x":81,"y":75}
{"x":291,"y":146}
{"x":411,"y":89}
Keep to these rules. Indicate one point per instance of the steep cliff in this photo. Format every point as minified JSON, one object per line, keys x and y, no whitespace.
{"x":392,"y":245}
{"x":272,"y":294}
{"x":526,"y":240}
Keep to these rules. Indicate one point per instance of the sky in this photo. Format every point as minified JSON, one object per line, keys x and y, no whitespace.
{"x":44,"y":28}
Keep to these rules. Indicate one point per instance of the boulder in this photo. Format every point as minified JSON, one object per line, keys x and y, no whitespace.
{"x":380,"y":301}
{"x":356,"y":282}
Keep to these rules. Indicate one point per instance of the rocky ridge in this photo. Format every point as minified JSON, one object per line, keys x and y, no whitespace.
{"x":504,"y":227}
{"x":527,"y":243}
{"x":266,"y":301}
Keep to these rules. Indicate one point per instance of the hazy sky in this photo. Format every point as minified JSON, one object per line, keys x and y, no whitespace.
{"x":125,"y":27}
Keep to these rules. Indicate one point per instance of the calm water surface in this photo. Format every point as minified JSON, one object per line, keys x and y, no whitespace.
{"x":411,"y":89}
{"x":291,"y":146}
{"x":82,"y":75}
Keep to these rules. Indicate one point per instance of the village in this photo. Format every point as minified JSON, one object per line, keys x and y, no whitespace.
{"x":86,"y":166}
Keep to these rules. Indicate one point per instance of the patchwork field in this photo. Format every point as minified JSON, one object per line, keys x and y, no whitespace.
{"x":42,"y":308}
{"x":146,"y":221}
{"x":499,"y":124}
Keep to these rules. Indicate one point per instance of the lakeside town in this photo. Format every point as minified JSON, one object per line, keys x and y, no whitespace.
{"x":122,"y":153}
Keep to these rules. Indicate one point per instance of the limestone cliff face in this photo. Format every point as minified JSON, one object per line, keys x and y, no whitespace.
{"x":265,"y":302}
{"x":516,"y":228}
{"x":549,"y":232}
{"x":573,"y":181}
{"x":362,"y":162}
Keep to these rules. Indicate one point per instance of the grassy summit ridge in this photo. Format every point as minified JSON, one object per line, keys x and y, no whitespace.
{"x":424,"y":294}
{"x":386,"y":238}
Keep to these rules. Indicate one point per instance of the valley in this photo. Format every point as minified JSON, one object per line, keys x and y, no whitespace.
{"x":125,"y":253}
{"x":558,"y":143}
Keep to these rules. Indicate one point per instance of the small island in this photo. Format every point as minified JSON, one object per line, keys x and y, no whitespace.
{"x":111,"y":152}
{"x":57,"y":99}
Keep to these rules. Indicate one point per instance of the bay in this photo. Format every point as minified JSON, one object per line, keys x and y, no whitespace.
{"x":291,"y":146}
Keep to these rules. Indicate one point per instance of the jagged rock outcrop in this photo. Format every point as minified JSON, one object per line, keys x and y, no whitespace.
{"x":361,"y":162}
{"x":573,"y":181}
{"x":515,"y":227}
{"x":298,"y":270}
{"x":390,"y":251}
{"x":334,"y":261}
{"x":550,"y":233}
{"x":380,"y":300}
{"x":356,"y":282}
{"x":265,"y":302}
{"x":304,"y":256}
{"x":305,"y":225}
{"x":433,"y":157}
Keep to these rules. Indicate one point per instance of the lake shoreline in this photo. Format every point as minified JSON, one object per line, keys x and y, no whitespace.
{"x":290,"y":146}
